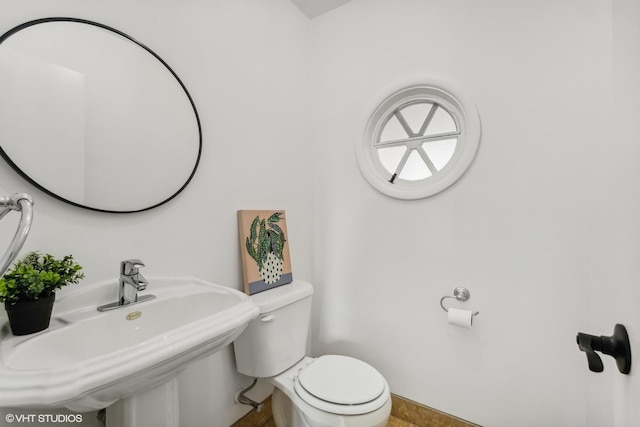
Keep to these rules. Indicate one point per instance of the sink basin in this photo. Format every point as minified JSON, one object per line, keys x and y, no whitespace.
{"x":87,"y":360}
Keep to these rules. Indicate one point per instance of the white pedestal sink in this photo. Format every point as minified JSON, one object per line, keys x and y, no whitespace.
{"x":156,"y":407}
{"x":88,"y":360}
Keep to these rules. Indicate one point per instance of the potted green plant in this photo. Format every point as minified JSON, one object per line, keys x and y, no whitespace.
{"x":28,"y":289}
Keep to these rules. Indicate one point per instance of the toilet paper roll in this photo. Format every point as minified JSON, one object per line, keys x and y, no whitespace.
{"x":458,"y":317}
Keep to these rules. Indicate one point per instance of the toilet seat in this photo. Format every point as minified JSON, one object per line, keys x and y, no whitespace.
{"x":341,"y":385}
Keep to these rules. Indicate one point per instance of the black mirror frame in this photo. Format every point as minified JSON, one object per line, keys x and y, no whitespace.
{"x":6,"y":157}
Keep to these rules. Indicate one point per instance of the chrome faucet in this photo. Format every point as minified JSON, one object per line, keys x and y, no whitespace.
{"x":131,"y":281}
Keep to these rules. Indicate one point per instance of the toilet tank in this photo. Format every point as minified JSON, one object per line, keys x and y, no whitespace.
{"x":277,"y":339}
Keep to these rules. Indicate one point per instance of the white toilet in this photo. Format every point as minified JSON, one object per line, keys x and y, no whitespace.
{"x":328,"y":391}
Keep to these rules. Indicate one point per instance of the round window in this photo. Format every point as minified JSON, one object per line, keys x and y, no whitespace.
{"x":419,"y":141}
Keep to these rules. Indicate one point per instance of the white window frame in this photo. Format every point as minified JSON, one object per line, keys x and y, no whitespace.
{"x":445,"y":95}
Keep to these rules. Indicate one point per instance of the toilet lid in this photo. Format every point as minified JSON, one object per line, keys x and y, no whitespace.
{"x":342,"y":380}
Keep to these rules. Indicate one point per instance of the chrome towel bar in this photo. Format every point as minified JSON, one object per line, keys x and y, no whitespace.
{"x":17,"y":202}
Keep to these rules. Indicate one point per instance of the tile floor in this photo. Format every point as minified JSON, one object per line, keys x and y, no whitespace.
{"x":402,"y":410}
{"x":397,"y":422}
{"x":393,"y":422}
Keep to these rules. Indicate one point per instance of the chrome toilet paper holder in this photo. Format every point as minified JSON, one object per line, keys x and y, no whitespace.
{"x":461,"y":294}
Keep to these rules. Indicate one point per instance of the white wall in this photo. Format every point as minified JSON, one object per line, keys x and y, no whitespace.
{"x":542,"y":229}
{"x":531,"y":229}
{"x":244,"y":63}
{"x":626,"y":293}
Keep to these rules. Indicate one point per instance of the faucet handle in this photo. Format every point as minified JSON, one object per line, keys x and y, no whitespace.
{"x":130,"y":266}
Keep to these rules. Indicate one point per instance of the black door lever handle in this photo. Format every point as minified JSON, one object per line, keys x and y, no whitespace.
{"x":617,"y":346}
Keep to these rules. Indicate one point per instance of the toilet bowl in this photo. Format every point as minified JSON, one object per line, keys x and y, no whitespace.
{"x":327,"y":391}
{"x":330,"y":391}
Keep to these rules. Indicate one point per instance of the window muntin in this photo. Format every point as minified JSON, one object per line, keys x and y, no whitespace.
{"x":415,"y":127}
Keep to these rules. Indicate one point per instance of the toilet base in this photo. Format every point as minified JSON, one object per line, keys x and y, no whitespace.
{"x":284,"y":413}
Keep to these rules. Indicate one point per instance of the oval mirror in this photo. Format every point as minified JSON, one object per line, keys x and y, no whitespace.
{"x":93,"y":117}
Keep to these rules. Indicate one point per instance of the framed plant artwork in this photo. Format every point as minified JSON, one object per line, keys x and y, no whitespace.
{"x":264,"y":250}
